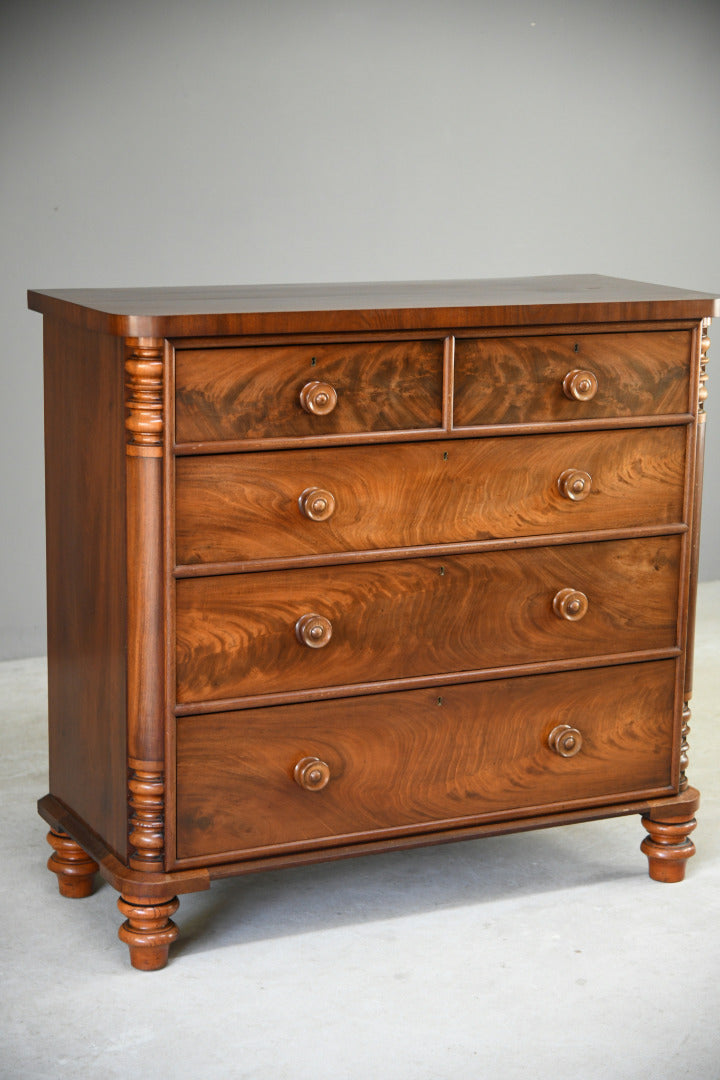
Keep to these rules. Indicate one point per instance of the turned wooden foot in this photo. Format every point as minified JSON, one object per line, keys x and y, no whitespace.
{"x":149,"y":931}
{"x":668,"y":847}
{"x":75,"y":870}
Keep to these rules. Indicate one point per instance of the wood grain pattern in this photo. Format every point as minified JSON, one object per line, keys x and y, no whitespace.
{"x":420,"y":759}
{"x":437,"y":550}
{"x":74,"y":868}
{"x":86,"y":576}
{"x":511,"y":380}
{"x":360,"y":306}
{"x":255,"y":392}
{"x":236,"y":635}
{"x":238,"y":508}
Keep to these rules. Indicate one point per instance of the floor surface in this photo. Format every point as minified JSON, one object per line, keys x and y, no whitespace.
{"x":539,"y":956}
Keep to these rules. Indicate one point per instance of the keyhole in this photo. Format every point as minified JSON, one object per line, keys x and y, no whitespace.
{"x":313,"y":362}
{"x":576,"y":347}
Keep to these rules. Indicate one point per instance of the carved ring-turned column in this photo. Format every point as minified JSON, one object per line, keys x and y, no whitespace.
{"x":144,"y":427}
{"x":144,"y":424}
{"x":695,"y":548}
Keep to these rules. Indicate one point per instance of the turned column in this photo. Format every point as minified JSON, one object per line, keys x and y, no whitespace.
{"x":148,"y":929}
{"x":668,"y":845}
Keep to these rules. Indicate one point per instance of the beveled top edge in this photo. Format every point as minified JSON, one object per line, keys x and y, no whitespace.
{"x":180,"y":311}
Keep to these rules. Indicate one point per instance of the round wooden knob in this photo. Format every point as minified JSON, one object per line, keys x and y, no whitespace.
{"x":318,"y":398}
{"x":574,"y":484}
{"x":580,"y":385}
{"x":565,"y":740}
{"x":317,"y":504}
{"x":570,"y":604}
{"x":313,"y":630}
{"x":311,"y":773}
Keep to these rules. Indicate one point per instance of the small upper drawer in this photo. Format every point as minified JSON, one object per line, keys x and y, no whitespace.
{"x":571,"y":377}
{"x":263,"y":392}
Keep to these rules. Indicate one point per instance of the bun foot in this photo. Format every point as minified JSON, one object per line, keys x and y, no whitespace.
{"x":148,"y":931}
{"x":668,"y":847}
{"x":75,"y":870}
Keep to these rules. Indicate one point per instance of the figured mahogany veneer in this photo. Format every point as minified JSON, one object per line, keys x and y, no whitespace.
{"x":434,"y":616}
{"x":238,"y":508}
{"x":254,"y":392}
{"x":420,"y":758}
{"x":341,"y":569}
{"x":601,"y":375}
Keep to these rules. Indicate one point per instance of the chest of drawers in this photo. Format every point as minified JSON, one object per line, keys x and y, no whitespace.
{"x":335,"y":570}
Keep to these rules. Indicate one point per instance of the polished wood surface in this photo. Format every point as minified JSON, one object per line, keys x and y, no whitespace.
{"x":307,"y":390}
{"x":343,"y":569}
{"x":396,"y":305}
{"x":394,"y":620}
{"x":240,"y":508}
{"x":506,"y":380}
{"x":74,"y":868}
{"x":420,"y":758}
{"x":145,"y":616}
{"x":86,"y":576}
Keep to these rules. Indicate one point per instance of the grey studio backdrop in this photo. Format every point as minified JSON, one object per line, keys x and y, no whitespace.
{"x":165,"y":142}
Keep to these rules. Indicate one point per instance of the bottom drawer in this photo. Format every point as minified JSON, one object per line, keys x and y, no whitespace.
{"x":420,"y":760}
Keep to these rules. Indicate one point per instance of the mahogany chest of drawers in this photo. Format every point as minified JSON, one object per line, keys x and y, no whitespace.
{"x":333,"y":570}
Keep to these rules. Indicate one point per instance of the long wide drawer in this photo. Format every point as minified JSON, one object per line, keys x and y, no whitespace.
{"x":327,"y":626}
{"x":308,"y":502}
{"x":292,"y":391}
{"x":418,"y":760}
{"x":571,"y":377}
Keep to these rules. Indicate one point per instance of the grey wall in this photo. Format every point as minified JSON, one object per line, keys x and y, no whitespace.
{"x":169,"y":142}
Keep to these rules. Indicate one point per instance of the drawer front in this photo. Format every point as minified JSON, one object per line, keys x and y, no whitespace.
{"x":420,"y":759}
{"x":262,"y":392}
{"x":235,"y":507}
{"x":242,"y":634}
{"x":524,"y":380}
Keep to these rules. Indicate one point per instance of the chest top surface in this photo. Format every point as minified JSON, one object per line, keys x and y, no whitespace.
{"x":363,"y":306}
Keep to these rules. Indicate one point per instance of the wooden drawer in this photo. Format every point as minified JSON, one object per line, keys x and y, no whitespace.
{"x":420,"y":759}
{"x":245,"y":507}
{"x":521,"y":379}
{"x":236,"y":634}
{"x":257,"y":392}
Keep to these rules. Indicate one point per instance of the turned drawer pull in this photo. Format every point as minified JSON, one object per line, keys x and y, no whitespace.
{"x":317,"y":504}
{"x":565,"y":740}
{"x":318,"y":398}
{"x":313,"y":630}
{"x":580,"y":385}
{"x":574,"y":484}
{"x":311,"y":773}
{"x":570,"y":604}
